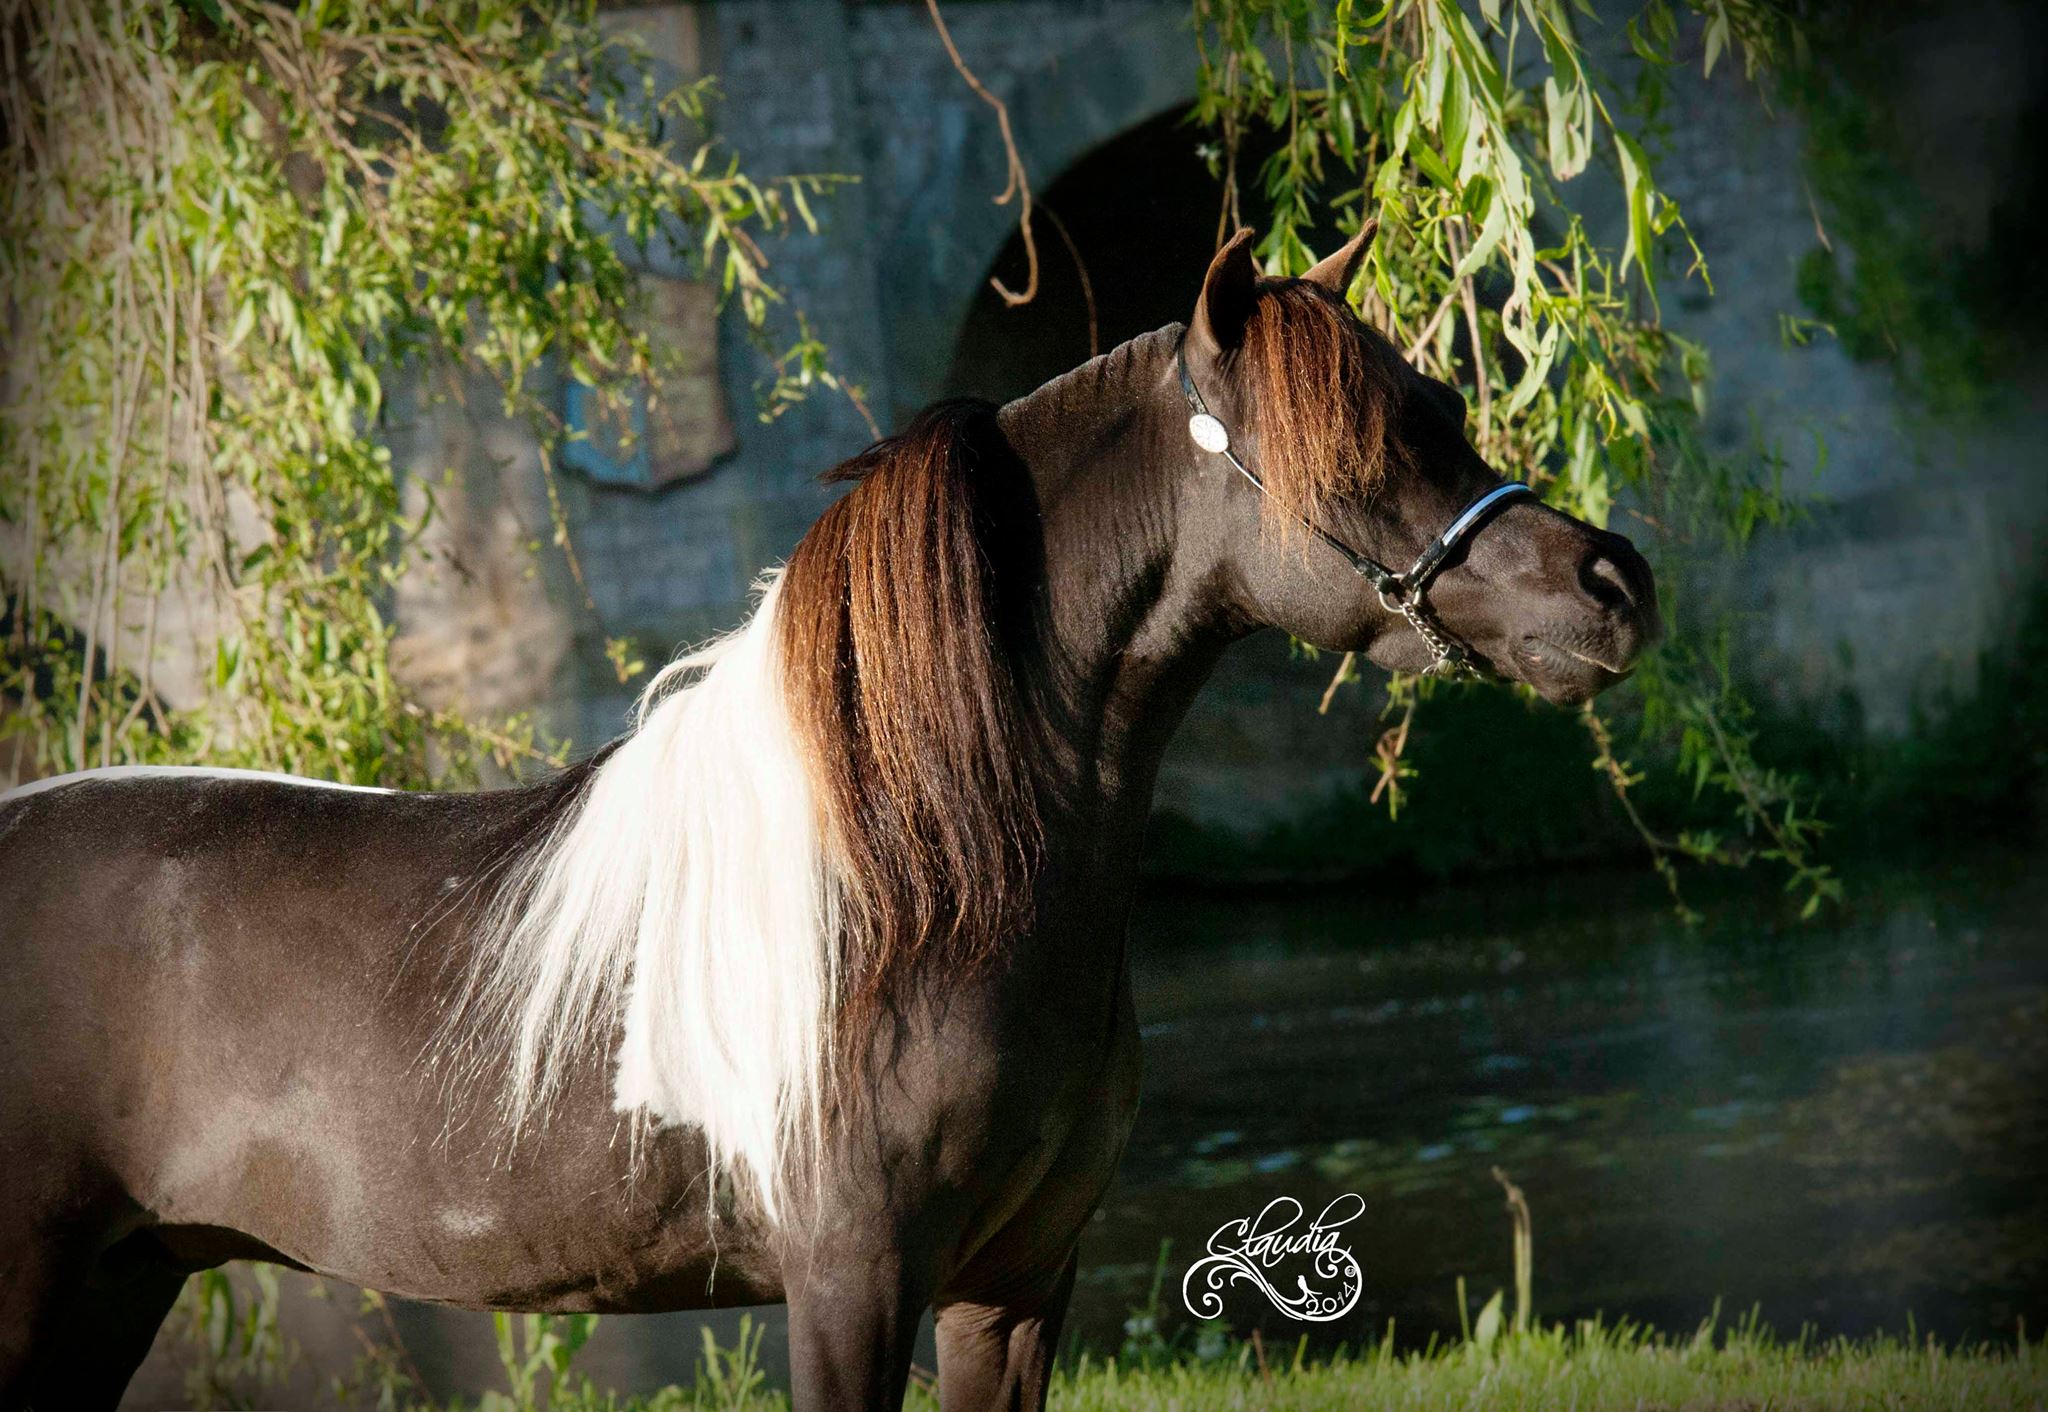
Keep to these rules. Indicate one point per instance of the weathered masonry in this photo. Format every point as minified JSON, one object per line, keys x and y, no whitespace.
{"x":1874,"y":609}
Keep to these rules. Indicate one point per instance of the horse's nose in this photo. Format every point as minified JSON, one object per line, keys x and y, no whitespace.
{"x":1618,"y":580}
{"x":1605,"y":583}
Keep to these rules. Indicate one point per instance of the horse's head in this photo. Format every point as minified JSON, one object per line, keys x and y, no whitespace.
{"x":1363,"y":465}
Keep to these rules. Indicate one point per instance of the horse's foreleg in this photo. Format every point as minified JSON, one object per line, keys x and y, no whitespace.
{"x":77,"y":1332}
{"x":30,"y":1278}
{"x":852,"y":1323}
{"x":1000,"y":1355}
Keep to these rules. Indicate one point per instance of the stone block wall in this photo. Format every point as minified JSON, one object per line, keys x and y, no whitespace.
{"x":1868,"y":612}
{"x":1926,"y":540}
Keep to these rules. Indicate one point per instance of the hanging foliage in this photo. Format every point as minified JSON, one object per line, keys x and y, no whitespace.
{"x":1474,"y":134}
{"x":224,"y":227}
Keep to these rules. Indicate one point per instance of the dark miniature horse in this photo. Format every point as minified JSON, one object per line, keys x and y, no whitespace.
{"x":812,"y":988}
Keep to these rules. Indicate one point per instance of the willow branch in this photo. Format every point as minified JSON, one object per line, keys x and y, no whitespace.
{"x":1346,"y":671}
{"x":1019,"y":184}
{"x":1479,"y":373}
{"x":860,"y":405}
{"x":1422,"y":340}
{"x":1392,"y":745}
{"x":1080,"y":268}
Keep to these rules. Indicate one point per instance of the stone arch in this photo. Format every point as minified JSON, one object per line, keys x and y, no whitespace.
{"x":942,"y":230}
{"x":1141,"y":212}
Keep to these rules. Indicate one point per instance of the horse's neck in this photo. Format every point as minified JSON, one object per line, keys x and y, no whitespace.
{"x":1130,"y":625}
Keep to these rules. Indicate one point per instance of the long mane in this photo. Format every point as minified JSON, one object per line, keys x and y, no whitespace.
{"x":805,"y":813}
{"x":904,"y":698}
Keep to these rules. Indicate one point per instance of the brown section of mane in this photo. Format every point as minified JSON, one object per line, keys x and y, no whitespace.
{"x":901,"y":689}
{"x":1322,"y":390}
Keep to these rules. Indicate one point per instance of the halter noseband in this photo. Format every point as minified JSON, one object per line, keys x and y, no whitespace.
{"x":1401,"y":593}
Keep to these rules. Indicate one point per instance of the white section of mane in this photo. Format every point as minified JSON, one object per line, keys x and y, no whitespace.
{"x":686,"y":890}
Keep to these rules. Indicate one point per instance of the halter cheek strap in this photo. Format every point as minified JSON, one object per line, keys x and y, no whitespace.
{"x":1401,"y":593}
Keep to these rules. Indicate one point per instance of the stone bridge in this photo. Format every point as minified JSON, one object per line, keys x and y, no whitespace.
{"x":1875,"y":609}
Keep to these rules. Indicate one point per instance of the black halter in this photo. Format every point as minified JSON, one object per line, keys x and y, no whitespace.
{"x":1401,"y":593}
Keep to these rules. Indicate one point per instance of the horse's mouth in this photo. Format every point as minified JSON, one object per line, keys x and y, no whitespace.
{"x":1567,"y":674}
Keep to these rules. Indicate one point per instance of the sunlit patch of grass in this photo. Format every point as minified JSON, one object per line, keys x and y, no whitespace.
{"x":1591,"y":1366}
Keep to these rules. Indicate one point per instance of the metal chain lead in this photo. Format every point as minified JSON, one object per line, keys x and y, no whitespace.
{"x":1451,"y":660}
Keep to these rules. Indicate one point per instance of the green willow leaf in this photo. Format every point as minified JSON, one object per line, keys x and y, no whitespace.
{"x":1637,"y":195}
{"x":254,"y":258}
{"x":1490,"y":232}
{"x":1467,"y":143}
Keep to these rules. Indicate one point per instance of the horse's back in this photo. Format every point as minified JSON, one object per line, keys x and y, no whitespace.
{"x":215,"y":977}
{"x":223,"y":1029}
{"x":146,"y":877}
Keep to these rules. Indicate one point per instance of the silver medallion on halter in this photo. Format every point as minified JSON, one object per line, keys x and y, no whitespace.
{"x":1209,"y":434}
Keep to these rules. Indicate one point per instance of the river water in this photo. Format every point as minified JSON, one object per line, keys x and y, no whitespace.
{"x":1839,"y":1123}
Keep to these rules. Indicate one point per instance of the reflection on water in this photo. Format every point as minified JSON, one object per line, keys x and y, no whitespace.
{"x":1841,"y":1122}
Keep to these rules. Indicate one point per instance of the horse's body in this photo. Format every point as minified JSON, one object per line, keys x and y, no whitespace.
{"x":225,"y":1032}
{"x":260,"y":1093}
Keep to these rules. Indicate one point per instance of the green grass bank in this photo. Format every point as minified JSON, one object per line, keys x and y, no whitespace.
{"x":1587,"y":1368}
{"x":1584,"y":1370}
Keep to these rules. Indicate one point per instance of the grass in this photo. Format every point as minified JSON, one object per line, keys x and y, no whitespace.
{"x":1585,"y":1368}
{"x":1503,"y":1357}
{"x":1590,"y":1367}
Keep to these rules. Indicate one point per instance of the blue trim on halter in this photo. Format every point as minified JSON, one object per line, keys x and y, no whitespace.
{"x":1432,"y":558}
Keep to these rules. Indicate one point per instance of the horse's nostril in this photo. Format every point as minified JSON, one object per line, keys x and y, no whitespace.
{"x":1606,"y":583}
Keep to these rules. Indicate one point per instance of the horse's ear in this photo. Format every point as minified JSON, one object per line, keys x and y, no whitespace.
{"x":1228,"y":293}
{"x":1335,"y":272}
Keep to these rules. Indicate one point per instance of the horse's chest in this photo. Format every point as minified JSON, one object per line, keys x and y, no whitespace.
{"x":1025,"y":1122}
{"x":1061,"y":1130}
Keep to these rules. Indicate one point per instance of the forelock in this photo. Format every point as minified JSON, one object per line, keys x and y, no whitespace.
{"x":1322,"y":394}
